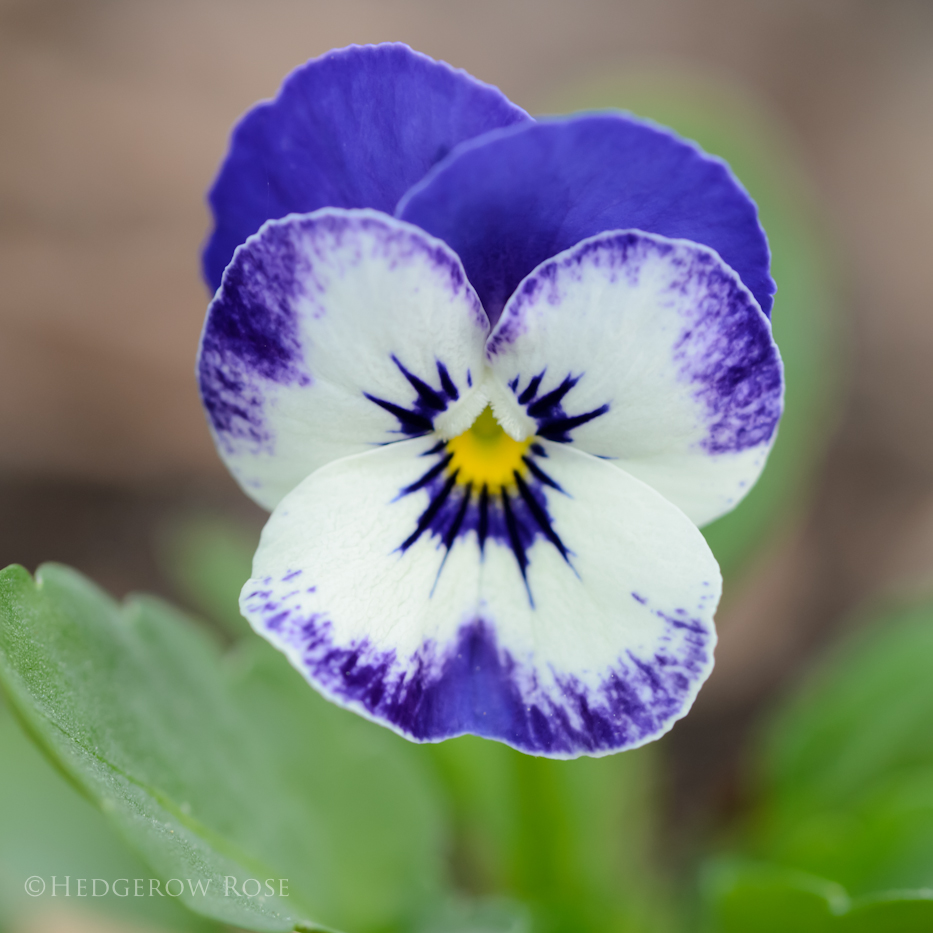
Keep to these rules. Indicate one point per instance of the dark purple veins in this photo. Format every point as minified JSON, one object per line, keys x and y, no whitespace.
{"x":515,"y":515}
{"x":554,"y":423}
{"x":418,"y":418}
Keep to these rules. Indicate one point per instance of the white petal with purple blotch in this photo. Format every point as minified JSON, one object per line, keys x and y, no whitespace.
{"x":334,"y":332}
{"x":571,"y":615}
{"x":648,"y":352}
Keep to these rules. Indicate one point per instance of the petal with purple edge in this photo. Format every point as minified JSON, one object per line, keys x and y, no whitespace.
{"x":587,"y":649}
{"x":512,"y":199}
{"x":648,"y":352}
{"x":354,"y":128}
{"x":334,"y":332}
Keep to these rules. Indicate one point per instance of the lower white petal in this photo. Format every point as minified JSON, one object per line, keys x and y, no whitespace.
{"x":574,"y":616}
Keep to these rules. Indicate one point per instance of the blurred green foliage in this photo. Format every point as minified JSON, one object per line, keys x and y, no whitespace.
{"x":208,"y":558}
{"x":755,"y":898}
{"x":482,"y":915}
{"x":571,"y":839}
{"x":843,"y":833}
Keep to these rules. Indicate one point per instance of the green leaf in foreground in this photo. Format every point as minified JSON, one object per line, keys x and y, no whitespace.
{"x":47,"y":829}
{"x":215,"y":768}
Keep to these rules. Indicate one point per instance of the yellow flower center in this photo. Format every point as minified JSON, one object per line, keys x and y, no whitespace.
{"x":485,"y":455}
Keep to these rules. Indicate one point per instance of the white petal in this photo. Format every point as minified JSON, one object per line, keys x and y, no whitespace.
{"x":583,"y":626}
{"x":651,"y":353}
{"x":331,"y":333}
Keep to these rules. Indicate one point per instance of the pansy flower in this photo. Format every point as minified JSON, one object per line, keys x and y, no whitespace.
{"x":490,"y":374}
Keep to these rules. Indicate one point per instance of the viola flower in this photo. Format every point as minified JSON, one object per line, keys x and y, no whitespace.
{"x":489,"y":374}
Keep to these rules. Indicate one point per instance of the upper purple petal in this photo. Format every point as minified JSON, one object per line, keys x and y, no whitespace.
{"x":516,"y":197}
{"x":354,"y":128}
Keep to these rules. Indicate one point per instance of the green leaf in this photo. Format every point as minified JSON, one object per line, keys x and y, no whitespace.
{"x":882,"y":840}
{"x":848,"y":772}
{"x":751,"y":898}
{"x":47,"y":829}
{"x":864,"y":714}
{"x":214,"y":767}
{"x":744,"y":897}
{"x":891,"y":912}
{"x":725,"y":122}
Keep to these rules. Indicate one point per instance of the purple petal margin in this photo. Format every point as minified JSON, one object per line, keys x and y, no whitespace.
{"x":473,"y":685}
{"x":354,"y":128}
{"x":514,"y":198}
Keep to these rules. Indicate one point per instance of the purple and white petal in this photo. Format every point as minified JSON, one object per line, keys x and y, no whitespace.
{"x":334,"y":332}
{"x":651,"y":353}
{"x":575,"y":619}
{"x":354,"y":128}
{"x":514,"y":198}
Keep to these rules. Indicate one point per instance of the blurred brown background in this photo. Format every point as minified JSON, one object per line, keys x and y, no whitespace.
{"x":114,"y":117}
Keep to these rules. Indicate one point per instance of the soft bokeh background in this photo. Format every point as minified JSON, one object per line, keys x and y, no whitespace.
{"x":114,"y":116}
